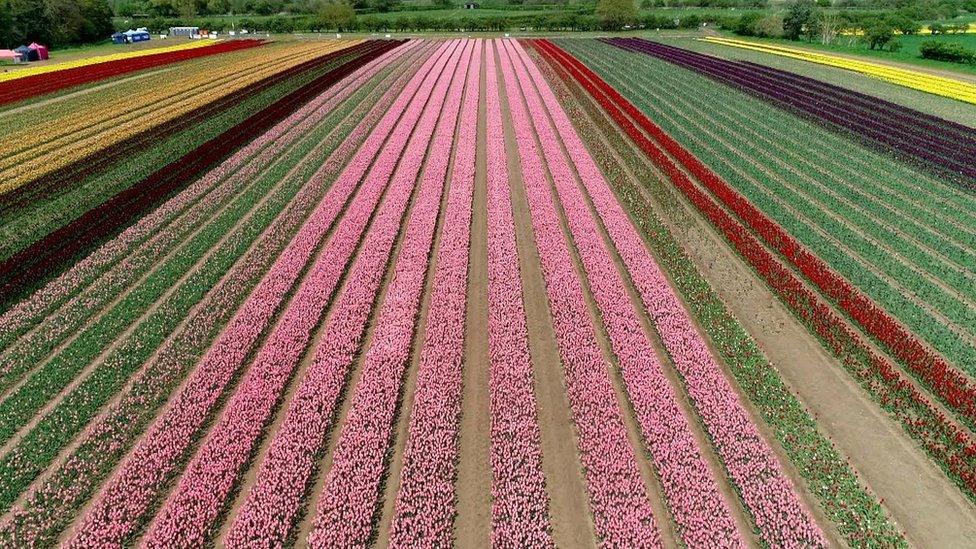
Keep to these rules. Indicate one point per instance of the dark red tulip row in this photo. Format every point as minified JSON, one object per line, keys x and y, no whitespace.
{"x":950,"y":446}
{"x":76,"y":172}
{"x":921,"y":138}
{"x":58,"y":246}
{"x":39,"y":84}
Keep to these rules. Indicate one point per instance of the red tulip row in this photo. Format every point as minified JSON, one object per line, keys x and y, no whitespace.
{"x":36,"y":85}
{"x":618,"y":498}
{"x":766,"y":490}
{"x":520,"y":503}
{"x":129,"y":497}
{"x":949,"y":445}
{"x":425,"y":502}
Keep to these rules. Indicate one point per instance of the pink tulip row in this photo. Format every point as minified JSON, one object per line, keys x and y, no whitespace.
{"x":121,"y":507}
{"x":269,"y":511}
{"x":110,"y":434}
{"x":187,"y":212}
{"x":618,"y":498}
{"x":520,"y":503}
{"x":425,"y":502}
{"x":692,"y":493}
{"x":348,"y":502}
{"x":768,"y":494}
{"x":190,"y":511}
{"x":225,"y":178}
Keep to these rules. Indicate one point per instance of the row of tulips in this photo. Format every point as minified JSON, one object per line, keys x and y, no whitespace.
{"x":922,"y":138}
{"x":702,"y":514}
{"x":858,"y":514}
{"x":72,"y":173}
{"x":947,"y":443}
{"x":520,"y":503}
{"x":129,"y":498}
{"x":618,"y":498}
{"x":35,"y":85}
{"x":34,"y":451}
{"x":153,"y":236}
{"x":918,"y":80}
{"x":348,"y":503}
{"x":61,"y":244}
{"x":137,"y":317}
{"x":923,"y":279}
{"x":98,"y":60}
{"x":49,"y":147}
{"x":70,"y":325}
{"x":750,"y":461}
{"x":50,"y":506}
{"x":868,"y":297}
{"x":425,"y":501}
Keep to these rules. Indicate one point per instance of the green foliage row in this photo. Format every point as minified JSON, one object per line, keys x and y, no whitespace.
{"x":944,"y":51}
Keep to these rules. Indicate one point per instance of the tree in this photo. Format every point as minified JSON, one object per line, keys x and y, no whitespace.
{"x":336,"y":14}
{"x":615,"y":14}
{"x":798,"y":19}
{"x":880,"y":34}
{"x":829,"y":26}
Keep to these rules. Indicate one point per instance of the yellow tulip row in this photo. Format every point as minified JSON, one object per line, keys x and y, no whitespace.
{"x":65,"y":141}
{"x":918,"y":80}
{"x":43,"y":69}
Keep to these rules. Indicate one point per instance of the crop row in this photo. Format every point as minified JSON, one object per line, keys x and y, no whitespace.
{"x":97,"y":60}
{"x":227,"y":242}
{"x":857,"y":513}
{"x":520,"y":503}
{"x":30,"y":86}
{"x":68,"y":322}
{"x":59,"y":307}
{"x":425,"y":502}
{"x":218,"y":461}
{"x":29,"y":155}
{"x":43,"y":514}
{"x":618,"y":498}
{"x":938,"y":85}
{"x":76,"y":171}
{"x":922,"y":138}
{"x":691,"y":490}
{"x":948,"y":445}
{"x":347,"y":506}
{"x":63,"y":243}
{"x":869,"y":302}
{"x":128,"y":500}
{"x":750,"y":461}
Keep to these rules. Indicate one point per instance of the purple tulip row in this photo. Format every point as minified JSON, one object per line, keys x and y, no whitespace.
{"x":123,"y":505}
{"x":120,"y":262}
{"x":269,"y":511}
{"x":765,"y":489}
{"x":618,"y":498}
{"x":191,"y":510}
{"x":902,"y":130}
{"x":703,"y":516}
{"x":46,"y":508}
{"x":425,"y":502}
{"x":348,"y":503}
{"x":520,"y":503}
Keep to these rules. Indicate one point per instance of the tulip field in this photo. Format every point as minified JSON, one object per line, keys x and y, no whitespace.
{"x":480,"y":292}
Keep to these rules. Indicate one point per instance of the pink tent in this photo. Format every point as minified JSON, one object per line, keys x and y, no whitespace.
{"x":10,"y":55}
{"x":41,"y":50}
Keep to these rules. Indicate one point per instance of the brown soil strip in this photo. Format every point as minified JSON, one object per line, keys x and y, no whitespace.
{"x":572,"y":524}
{"x":473,"y":523}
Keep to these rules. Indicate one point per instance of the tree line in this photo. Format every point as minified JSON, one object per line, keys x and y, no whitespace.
{"x":54,"y":22}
